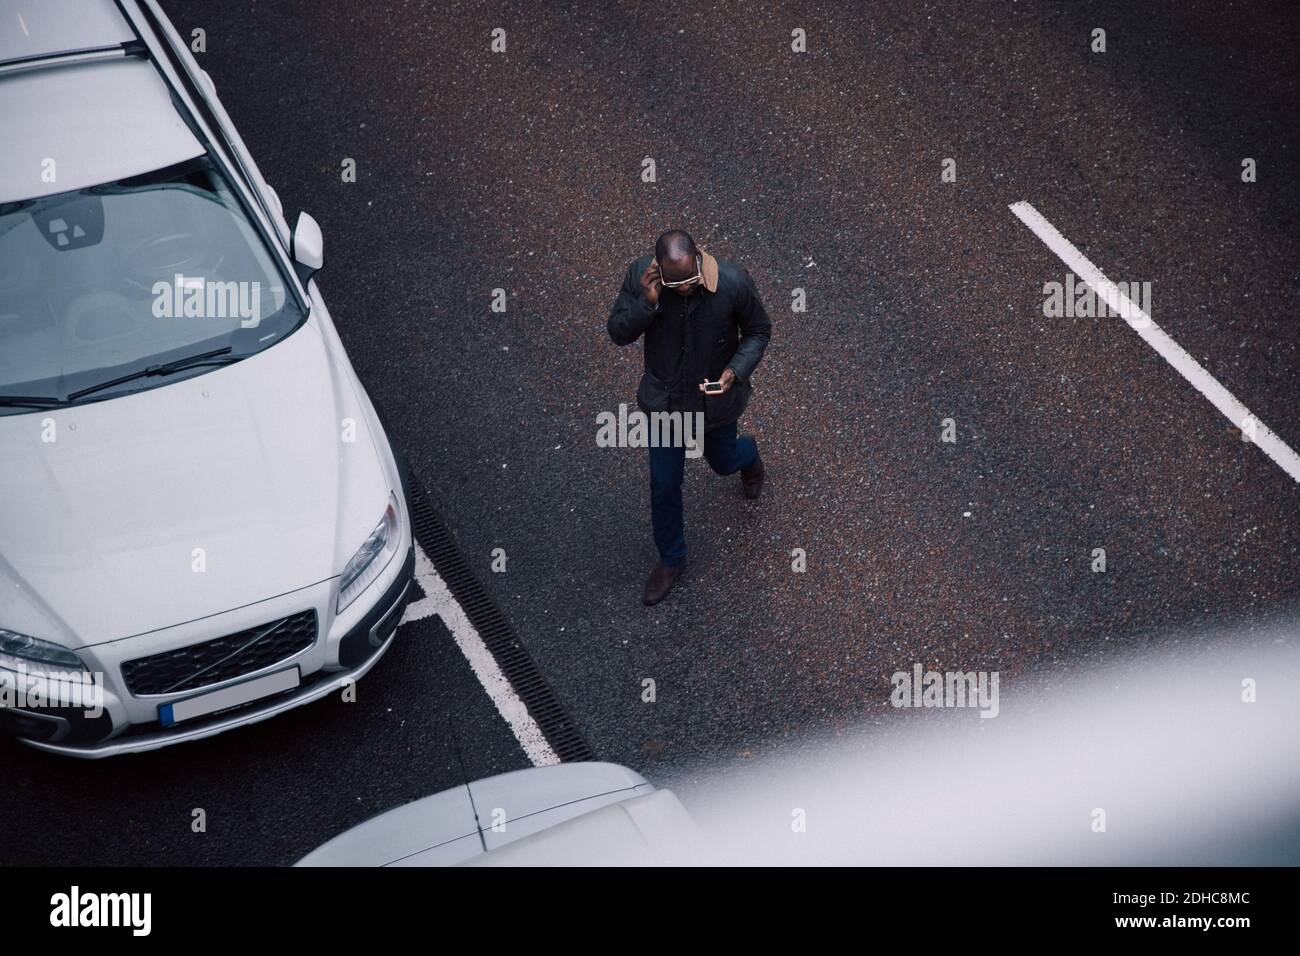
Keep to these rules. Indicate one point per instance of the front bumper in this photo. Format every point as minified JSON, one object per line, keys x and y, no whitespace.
{"x":73,"y":733}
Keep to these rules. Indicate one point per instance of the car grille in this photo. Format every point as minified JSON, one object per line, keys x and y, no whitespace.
{"x":212,"y":662}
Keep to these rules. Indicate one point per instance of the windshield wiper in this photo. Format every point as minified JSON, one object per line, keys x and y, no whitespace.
{"x":167,"y":368}
{"x":31,"y":401}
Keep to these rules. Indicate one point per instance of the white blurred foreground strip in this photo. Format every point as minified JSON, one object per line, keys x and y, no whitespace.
{"x":1184,"y":771}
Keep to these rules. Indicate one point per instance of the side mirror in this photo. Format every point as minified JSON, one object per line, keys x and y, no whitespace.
{"x":308,"y":247}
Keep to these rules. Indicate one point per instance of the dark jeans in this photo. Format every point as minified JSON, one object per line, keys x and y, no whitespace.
{"x":726,"y":454}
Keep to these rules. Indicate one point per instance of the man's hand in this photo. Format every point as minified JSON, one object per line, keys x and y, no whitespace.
{"x":728,"y":378}
{"x":651,"y":283}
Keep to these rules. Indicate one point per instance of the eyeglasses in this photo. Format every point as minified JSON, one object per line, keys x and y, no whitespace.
{"x":675,"y":285}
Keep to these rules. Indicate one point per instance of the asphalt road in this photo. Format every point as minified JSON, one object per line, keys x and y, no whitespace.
{"x":817,"y":170}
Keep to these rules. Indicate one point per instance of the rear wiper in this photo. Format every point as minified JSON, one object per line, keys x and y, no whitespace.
{"x":167,"y":368}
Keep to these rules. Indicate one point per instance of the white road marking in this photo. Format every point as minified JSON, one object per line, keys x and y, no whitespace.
{"x":438,"y":600}
{"x":1158,"y":339}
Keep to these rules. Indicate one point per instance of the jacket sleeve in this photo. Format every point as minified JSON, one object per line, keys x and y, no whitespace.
{"x":631,"y":314}
{"x":755,"y":330}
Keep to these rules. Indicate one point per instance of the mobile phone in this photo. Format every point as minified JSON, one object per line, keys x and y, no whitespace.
{"x":712,"y":388}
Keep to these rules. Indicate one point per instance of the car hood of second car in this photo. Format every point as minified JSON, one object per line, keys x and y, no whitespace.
{"x":149,"y":510}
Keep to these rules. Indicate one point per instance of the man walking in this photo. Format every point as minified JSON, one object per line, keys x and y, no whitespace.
{"x":705,"y":330}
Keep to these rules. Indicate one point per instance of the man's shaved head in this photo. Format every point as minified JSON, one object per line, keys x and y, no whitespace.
{"x":675,"y":252}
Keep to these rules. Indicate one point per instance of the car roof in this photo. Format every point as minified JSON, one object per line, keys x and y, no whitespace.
{"x":77,"y":126}
{"x":39,"y":28}
{"x":77,"y":123}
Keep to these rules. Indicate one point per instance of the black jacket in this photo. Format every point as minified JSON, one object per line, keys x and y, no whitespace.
{"x":693,"y":338}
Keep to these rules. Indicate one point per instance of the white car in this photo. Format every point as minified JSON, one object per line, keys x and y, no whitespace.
{"x":568,"y":814}
{"x":202,"y":521}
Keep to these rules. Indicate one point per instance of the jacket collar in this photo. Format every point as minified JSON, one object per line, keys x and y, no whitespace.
{"x":709,"y":269}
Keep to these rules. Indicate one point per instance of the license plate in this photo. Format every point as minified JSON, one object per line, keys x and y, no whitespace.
{"x":231,"y":696}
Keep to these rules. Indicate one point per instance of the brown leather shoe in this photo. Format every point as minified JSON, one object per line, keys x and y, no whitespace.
{"x":659,"y":583}
{"x":751,"y":479}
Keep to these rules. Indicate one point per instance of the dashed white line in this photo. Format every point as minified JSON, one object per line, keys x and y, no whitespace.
{"x":1158,"y":339}
{"x":438,"y":600}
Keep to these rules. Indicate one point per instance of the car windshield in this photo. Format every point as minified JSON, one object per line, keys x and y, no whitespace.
{"x":134,"y":280}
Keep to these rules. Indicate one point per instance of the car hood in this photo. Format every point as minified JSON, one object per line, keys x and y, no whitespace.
{"x":144,"y":511}
{"x":456,"y":824}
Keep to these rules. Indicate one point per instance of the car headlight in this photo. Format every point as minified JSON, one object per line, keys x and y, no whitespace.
{"x":20,"y":652}
{"x":371,"y":558}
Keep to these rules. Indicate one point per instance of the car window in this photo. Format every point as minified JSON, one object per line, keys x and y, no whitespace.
{"x":103,"y":282}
